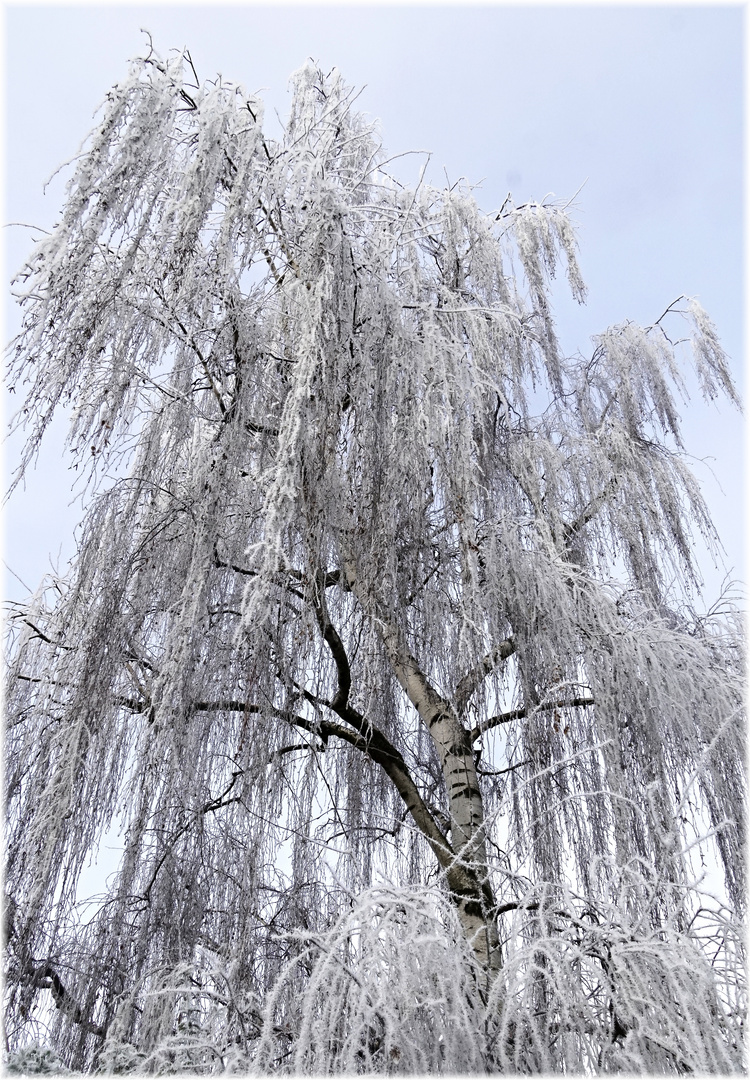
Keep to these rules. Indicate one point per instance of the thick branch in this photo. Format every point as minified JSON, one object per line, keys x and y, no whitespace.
{"x":472,"y":679}
{"x":334,"y":643}
{"x":518,"y":714}
{"x":370,"y":740}
{"x":222,"y":705}
{"x":590,"y":512}
{"x":366,"y":738}
{"x":46,"y":978}
{"x":380,"y":750}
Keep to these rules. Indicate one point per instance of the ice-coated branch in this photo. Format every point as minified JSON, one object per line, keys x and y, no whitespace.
{"x":571,"y":529}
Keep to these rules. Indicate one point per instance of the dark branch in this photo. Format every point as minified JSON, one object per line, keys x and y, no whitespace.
{"x":44,"y":637}
{"x":372,"y":742}
{"x":334,"y":643}
{"x":365,"y":738}
{"x":228,"y":705}
{"x":501,"y":772}
{"x":518,"y":714}
{"x":279,"y":578}
{"x":331,"y":577}
{"x":261,"y":429}
{"x":208,"y":808}
{"x":46,"y":978}
{"x":222,"y":705}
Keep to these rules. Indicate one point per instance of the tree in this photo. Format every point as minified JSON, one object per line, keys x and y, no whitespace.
{"x":380,"y":648}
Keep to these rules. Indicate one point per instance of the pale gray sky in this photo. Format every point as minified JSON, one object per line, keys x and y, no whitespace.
{"x":642,"y":105}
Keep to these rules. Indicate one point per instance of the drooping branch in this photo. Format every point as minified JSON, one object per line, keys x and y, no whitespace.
{"x":189,"y":339}
{"x":247,"y":572}
{"x":43,"y":976}
{"x":209,"y":807}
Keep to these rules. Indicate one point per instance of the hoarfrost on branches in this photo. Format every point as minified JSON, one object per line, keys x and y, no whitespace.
{"x":381,"y":648}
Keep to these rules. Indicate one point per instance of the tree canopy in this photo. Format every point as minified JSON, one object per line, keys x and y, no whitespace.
{"x":381,"y":651}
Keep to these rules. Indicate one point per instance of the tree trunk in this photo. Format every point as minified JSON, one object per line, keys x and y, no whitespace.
{"x":466,"y":866}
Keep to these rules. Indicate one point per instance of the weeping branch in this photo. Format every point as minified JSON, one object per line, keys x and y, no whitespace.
{"x":571,"y":529}
{"x":366,"y":738}
{"x":209,"y":807}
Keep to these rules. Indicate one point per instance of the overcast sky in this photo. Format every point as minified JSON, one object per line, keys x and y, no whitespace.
{"x":640,"y":105}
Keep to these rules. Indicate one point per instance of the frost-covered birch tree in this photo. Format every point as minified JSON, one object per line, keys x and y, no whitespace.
{"x":381,"y":651}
